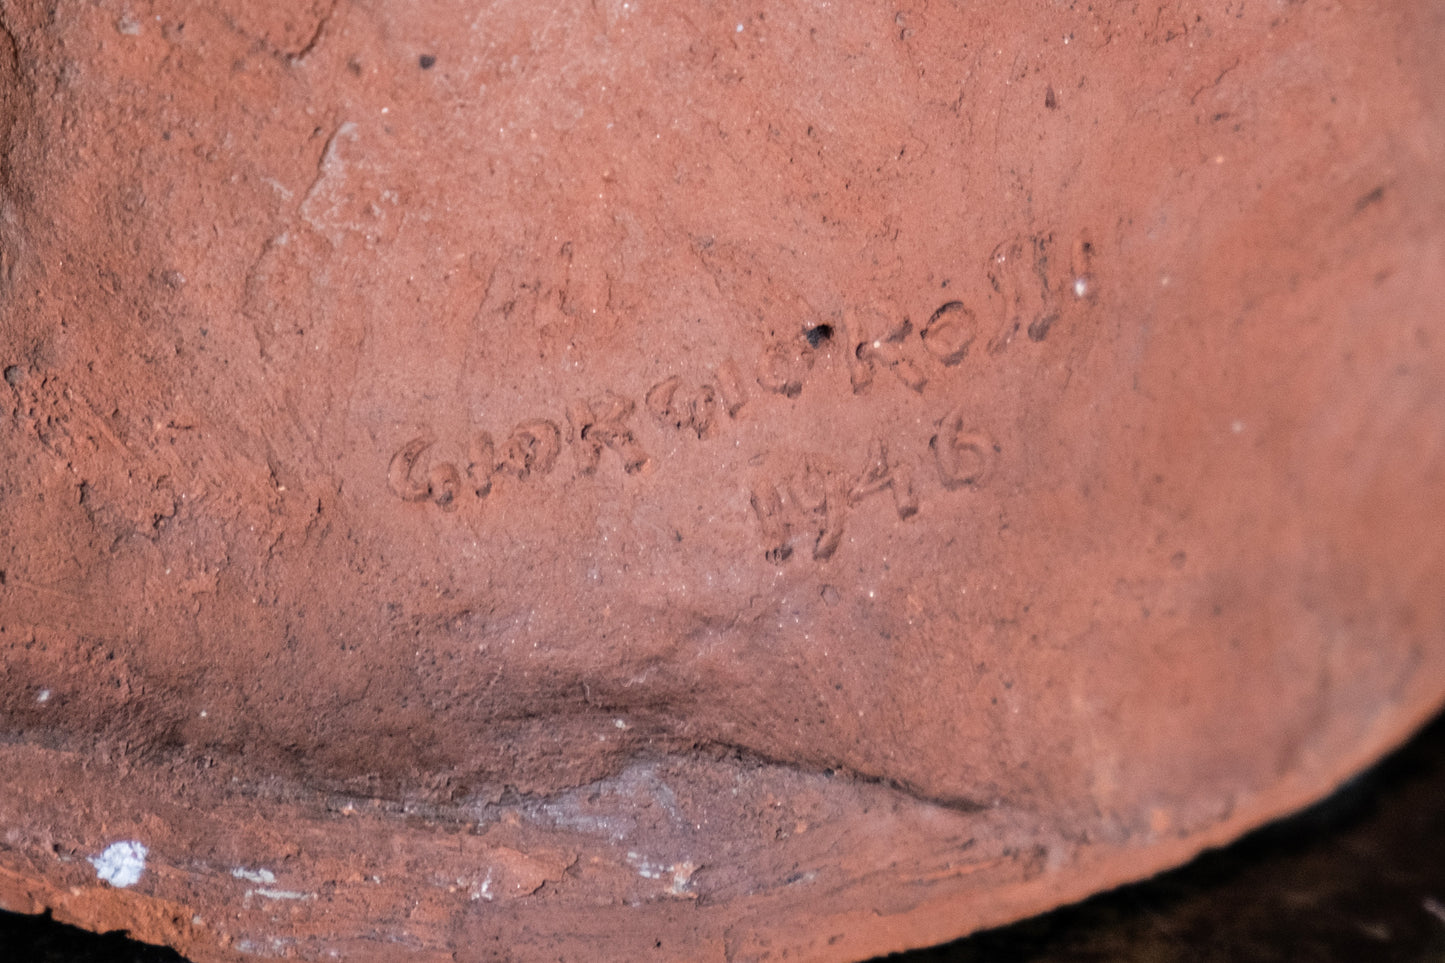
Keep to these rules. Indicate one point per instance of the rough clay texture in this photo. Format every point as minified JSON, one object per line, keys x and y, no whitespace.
{"x":713,"y":481}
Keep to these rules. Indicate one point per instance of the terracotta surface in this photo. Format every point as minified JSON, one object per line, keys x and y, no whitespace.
{"x":1357,"y":877}
{"x":701,"y":481}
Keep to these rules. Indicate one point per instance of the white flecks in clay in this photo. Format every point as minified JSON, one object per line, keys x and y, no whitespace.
{"x":279,"y":894}
{"x":485,"y":890}
{"x":121,"y":864}
{"x":680,"y":873}
{"x":265,"y":878}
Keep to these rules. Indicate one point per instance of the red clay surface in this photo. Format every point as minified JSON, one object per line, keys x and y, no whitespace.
{"x":718,"y":482}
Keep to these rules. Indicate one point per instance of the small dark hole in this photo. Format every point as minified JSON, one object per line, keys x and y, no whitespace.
{"x":779,"y":554}
{"x":817,"y":334}
{"x":14,"y":374}
{"x":427,"y":61}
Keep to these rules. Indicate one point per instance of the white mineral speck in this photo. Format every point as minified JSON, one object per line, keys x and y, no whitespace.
{"x":121,"y":864}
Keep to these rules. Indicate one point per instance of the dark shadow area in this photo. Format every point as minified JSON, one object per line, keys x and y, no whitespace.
{"x":39,"y":939}
{"x":1360,"y":876}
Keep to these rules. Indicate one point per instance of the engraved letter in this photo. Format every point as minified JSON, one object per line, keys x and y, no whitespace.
{"x":768,"y":506}
{"x":782,"y":368}
{"x":446,"y":484}
{"x":531,"y":449}
{"x":949,"y":332}
{"x":730,"y":387}
{"x":593,"y":432}
{"x":403,"y":463}
{"x":879,"y":473}
{"x":659,"y":403}
{"x":962,"y":457}
{"x":879,"y":342}
{"x":1018,"y":270}
{"x":815,"y":491}
{"x":481,"y":461}
{"x":702,"y":411}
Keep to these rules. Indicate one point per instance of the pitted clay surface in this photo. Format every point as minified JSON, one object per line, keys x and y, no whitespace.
{"x":595,"y":480}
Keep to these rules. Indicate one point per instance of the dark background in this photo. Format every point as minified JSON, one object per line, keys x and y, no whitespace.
{"x":1360,"y":877}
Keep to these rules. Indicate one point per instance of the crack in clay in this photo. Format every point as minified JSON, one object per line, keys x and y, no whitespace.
{"x":315,"y":38}
{"x":327,"y":164}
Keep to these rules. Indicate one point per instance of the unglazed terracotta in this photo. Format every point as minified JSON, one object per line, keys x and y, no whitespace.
{"x":624,"y":479}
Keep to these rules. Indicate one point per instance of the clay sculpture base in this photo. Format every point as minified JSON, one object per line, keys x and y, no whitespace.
{"x":1351,"y":878}
{"x":604,"y":481}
